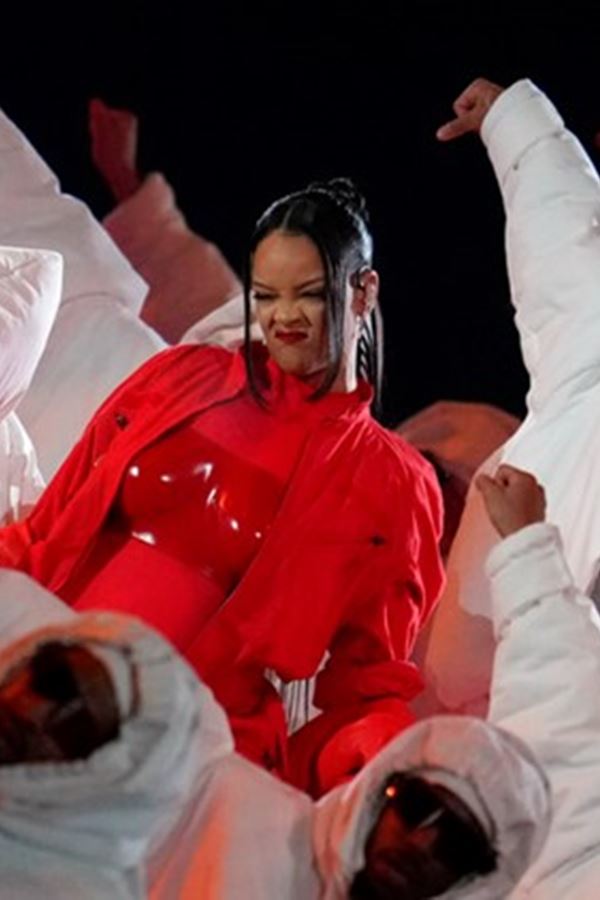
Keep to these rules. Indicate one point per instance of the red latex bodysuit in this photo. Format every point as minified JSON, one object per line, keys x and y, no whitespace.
{"x":193,"y":509}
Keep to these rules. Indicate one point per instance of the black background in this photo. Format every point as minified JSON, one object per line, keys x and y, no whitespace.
{"x":240,"y":103}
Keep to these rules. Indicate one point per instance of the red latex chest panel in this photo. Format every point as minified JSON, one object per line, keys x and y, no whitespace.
{"x":196,"y":501}
{"x":187,"y":522}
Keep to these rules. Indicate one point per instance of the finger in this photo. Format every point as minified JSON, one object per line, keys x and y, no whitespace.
{"x":507,"y":474}
{"x":455,"y":128}
{"x":464,"y":105}
{"x":97,"y":106}
{"x":464,"y":99}
{"x":474,"y":92}
{"x":504,"y":475}
{"x":492,"y":494}
{"x":96,"y":113}
{"x":480,"y":480}
{"x":486,"y":485}
{"x":506,"y":469}
{"x":510,"y":475}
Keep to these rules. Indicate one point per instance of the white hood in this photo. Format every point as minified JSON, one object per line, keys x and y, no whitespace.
{"x":489,"y":769}
{"x":34,"y":213}
{"x":108,"y":813}
{"x":25,"y":605}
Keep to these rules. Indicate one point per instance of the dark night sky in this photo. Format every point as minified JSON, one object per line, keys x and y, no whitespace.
{"x":238,"y":107}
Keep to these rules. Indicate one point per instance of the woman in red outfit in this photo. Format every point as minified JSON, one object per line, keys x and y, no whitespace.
{"x":249,"y":507}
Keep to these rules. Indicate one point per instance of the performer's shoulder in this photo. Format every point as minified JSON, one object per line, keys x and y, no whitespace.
{"x":398,"y":457}
{"x":187,"y":356}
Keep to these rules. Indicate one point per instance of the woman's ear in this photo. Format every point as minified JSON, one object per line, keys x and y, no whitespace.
{"x":366,"y":293}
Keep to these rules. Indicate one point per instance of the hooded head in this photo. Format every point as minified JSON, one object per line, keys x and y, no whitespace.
{"x":114,"y":808}
{"x":486,"y":776}
{"x":60,"y":704}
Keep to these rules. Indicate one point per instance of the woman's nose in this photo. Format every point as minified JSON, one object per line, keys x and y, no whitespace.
{"x":287,"y":312}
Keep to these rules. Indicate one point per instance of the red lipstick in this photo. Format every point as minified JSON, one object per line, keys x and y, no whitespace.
{"x":291,"y":337}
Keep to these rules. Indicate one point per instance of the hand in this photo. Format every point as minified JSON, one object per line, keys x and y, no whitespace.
{"x":344,"y":755}
{"x":513,"y":499}
{"x":114,"y":135}
{"x":471,"y":109}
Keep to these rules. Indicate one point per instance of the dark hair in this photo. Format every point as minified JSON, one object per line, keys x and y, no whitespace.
{"x":334,"y":216}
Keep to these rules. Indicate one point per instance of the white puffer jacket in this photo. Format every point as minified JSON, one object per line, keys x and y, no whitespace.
{"x":551,"y":195}
{"x":545,"y":689}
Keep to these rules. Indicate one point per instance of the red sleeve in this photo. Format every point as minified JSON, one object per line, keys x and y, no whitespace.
{"x":368,"y":679}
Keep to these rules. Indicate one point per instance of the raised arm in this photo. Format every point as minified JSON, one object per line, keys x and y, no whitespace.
{"x":547,"y":666}
{"x":551,"y":195}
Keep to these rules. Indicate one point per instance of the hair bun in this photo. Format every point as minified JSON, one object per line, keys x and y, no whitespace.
{"x":344,"y":192}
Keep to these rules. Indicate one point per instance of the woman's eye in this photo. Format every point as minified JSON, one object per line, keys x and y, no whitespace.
{"x":314,"y":295}
{"x":258,"y":295}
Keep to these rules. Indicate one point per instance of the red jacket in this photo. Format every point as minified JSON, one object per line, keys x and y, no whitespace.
{"x":350,"y":564}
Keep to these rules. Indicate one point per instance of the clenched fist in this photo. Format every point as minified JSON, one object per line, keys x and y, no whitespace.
{"x":471,"y":109}
{"x":513,"y":499}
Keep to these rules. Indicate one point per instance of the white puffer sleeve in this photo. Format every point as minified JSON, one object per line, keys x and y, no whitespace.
{"x":545,"y":688}
{"x":551,"y":194}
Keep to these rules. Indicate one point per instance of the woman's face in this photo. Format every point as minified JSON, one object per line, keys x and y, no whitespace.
{"x":288,"y":287}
